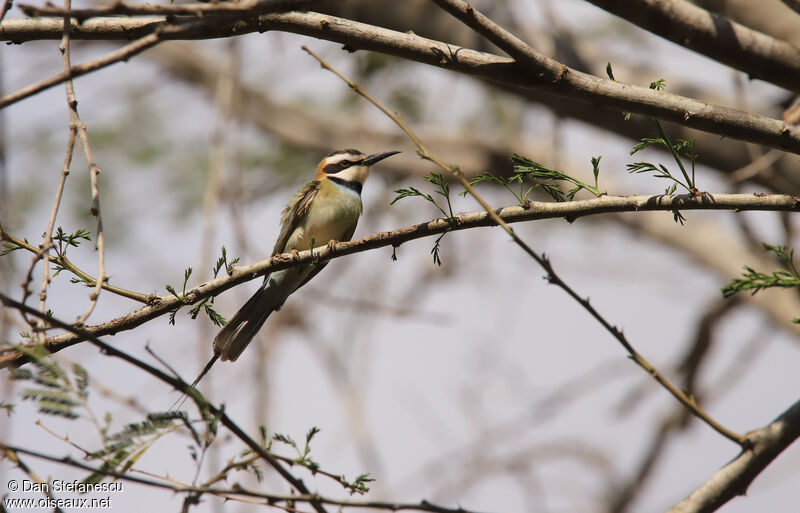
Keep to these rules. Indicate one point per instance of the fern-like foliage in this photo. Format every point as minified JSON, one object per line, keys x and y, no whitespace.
{"x":206,"y":304}
{"x":123,"y":448}
{"x":755,"y":281}
{"x":442,"y":188}
{"x":529,"y":175}
{"x":54,"y":390}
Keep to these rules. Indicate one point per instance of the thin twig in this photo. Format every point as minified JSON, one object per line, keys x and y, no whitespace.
{"x":757,"y":166}
{"x":12,"y":455}
{"x":161,"y":31}
{"x":67,"y":264}
{"x":544,"y":262}
{"x":161,"y":305}
{"x":7,"y":4}
{"x":239,"y":491}
{"x":78,"y":128}
{"x":63,"y":438}
{"x":43,"y":253}
{"x":124,"y":53}
{"x":179,"y":385}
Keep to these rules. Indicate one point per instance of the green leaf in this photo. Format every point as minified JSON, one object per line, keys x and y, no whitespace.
{"x":609,"y":72}
{"x":286,"y":439}
{"x":8,"y":407}
{"x":222,"y":262}
{"x":81,"y":379}
{"x":440,"y":187}
{"x":596,"y":168}
{"x":8,"y":247}
{"x":754,"y":281}
{"x":535,"y":171}
{"x":311,"y":432}
{"x":171,"y":290}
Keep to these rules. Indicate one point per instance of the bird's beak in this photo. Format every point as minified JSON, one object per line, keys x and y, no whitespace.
{"x":377,"y":157}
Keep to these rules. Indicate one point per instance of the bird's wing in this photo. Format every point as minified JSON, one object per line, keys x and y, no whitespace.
{"x":317,"y":268}
{"x":293,"y":213}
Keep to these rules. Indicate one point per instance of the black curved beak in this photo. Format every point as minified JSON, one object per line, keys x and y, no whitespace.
{"x":377,"y":157}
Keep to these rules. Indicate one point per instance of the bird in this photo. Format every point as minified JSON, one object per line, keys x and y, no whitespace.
{"x":323,"y":211}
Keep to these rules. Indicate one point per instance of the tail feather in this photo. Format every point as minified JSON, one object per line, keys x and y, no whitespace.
{"x":243,"y":326}
{"x":178,"y":404}
{"x":236,"y":335}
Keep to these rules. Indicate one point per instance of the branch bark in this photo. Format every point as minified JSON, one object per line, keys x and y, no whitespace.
{"x":161,"y":305}
{"x":734,"y":478}
{"x":320,"y":131}
{"x":549,"y":75}
{"x":755,"y":53}
{"x":246,"y":8}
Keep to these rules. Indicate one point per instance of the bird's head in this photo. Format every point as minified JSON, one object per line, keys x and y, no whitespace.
{"x":349,"y":165}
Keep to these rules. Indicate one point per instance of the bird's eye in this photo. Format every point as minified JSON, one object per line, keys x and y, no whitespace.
{"x":345,"y":163}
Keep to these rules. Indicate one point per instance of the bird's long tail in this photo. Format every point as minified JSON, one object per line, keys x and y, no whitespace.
{"x":235,"y":336}
{"x":178,"y":404}
{"x":243,"y":326}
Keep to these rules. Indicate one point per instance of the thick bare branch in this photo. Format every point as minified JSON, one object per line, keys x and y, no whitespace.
{"x":765,"y":445}
{"x":245,"y":8}
{"x":793,"y":5}
{"x":161,"y":305}
{"x":539,"y":72}
{"x":755,"y":53}
{"x":312,"y":129}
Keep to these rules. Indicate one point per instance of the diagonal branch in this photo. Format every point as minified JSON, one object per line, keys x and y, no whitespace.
{"x":737,"y":46}
{"x":793,"y":5}
{"x":181,"y":386}
{"x":763,"y":446}
{"x":544,"y":262}
{"x":155,"y":31}
{"x":539,"y":73}
{"x":78,"y":130}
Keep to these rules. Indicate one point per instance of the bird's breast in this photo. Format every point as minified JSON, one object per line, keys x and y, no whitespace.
{"x":333,"y":215}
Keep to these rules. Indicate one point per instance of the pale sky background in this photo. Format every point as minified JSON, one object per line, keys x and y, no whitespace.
{"x":433,"y":404}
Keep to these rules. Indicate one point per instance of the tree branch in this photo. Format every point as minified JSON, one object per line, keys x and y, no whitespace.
{"x":737,"y":46}
{"x":237,"y":490}
{"x":541,"y":259}
{"x":548,"y":75}
{"x":161,"y":305}
{"x":765,"y":445}
{"x":244,"y":8}
{"x":181,"y":386}
{"x":793,"y":5}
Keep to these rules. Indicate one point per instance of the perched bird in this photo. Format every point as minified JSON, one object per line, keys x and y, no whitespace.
{"x":325,"y":210}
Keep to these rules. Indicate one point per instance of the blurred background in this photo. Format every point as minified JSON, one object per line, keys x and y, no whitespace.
{"x":472,"y":383}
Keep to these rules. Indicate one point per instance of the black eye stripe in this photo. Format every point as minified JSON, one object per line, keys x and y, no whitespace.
{"x":335,"y":167}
